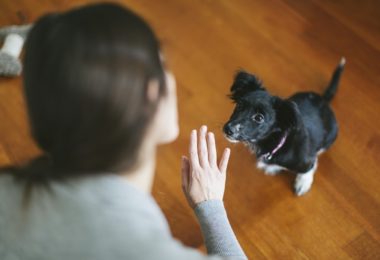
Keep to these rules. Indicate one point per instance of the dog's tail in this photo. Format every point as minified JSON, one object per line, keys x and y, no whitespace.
{"x":330,"y":91}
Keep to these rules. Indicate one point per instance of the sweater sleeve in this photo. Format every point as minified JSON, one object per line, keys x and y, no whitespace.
{"x":216,"y":229}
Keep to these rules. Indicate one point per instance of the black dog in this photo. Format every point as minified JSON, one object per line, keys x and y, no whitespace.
{"x":283,"y":133}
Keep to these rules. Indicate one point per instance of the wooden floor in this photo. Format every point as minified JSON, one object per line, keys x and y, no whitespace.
{"x":293,"y":46}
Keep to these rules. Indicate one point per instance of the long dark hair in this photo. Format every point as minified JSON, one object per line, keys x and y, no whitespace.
{"x":86,"y":73}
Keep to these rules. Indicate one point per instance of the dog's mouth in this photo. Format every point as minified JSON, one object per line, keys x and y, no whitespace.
{"x":238,"y":139}
{"x":231,"y":139}
{"x":234,"y":134}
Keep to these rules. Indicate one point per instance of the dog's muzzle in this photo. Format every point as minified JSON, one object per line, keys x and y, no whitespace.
{"x":231,"y":132}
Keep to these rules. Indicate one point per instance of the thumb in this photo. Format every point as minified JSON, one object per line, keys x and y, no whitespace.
{"x":185,"y":171}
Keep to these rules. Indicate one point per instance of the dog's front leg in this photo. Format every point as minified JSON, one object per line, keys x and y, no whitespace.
{"x":304,"y":181}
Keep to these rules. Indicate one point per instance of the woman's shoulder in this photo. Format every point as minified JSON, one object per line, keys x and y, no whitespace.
{"x":107,"y":200}
{"x":105,"y":191}
{"x":102,"y":213}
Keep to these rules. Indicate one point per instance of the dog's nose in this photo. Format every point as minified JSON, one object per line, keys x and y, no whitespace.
{"x":228,"y":129}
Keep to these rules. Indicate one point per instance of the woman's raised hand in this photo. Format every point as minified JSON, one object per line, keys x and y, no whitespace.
{"x":202,"y":178}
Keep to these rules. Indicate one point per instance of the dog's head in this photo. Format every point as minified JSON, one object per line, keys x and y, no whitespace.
{"x":257,"y":114}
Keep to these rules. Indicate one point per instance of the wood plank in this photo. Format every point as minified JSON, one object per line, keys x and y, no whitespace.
{"x":293,"y":46}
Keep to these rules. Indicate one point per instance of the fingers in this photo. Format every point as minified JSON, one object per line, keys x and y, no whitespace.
{"x":202,"y":147}
{"x":202,"y":178}
{"x":212,"y":154}
{"x":185,"y":172}
{"x":193,"y":150}
{"x":224,"y":161}
{"x":203,"y":152}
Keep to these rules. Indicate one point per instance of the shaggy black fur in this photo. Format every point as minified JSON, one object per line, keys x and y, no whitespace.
{"x":305,"y":121}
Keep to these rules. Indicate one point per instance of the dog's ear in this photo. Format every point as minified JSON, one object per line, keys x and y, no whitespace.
{"x":287,"y":113}
{"x":244,"y":83}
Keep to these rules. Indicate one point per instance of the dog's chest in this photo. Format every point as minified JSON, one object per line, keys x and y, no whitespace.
{"x":269,"y":169}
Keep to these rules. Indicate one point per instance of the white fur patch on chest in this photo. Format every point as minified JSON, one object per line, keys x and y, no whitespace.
{"x":269,"y":169}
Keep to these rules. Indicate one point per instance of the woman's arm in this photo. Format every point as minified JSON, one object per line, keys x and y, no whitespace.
{"x":203,"y":182}
{"x":216,"y":229}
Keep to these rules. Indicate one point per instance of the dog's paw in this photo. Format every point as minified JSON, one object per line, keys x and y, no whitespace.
{"x":303,"y":183}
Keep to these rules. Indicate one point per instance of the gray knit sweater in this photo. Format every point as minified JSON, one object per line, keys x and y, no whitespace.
{"x":101,"y":218}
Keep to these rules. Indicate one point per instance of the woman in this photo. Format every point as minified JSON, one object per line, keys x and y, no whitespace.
{"x":100,"y":101}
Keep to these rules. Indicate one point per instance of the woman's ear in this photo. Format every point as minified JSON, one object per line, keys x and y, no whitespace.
{"x":287,"y":113}
{"x":153,"y":90}
{"x":165,"y":128}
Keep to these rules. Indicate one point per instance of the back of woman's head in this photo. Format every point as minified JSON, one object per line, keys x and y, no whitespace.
{"x":86,"y":74}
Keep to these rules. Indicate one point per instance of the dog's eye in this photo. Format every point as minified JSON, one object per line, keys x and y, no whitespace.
{"x":259,"y":118}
